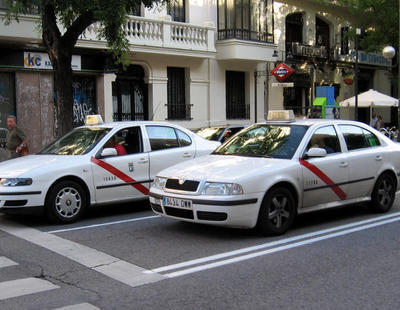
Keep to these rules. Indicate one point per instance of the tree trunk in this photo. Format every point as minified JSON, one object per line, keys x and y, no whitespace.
{"x":60,"y":47}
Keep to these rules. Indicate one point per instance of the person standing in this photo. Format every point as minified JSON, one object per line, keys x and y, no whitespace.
{"x":374,"y":121}
{"x":16,"y":138}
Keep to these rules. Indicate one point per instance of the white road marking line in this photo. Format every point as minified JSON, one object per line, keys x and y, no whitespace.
{"x":269,"y":244}
{"x":277,"y":249}
{"x":108,"y":265}
{"x":5,"y":262}
{"x":20,"y":287}
{"x":82,"y":306}
{"x":103,"y":224}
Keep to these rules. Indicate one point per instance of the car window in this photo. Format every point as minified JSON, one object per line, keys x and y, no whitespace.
{"x":326,"y":138}
{"x":210,"y":133}
{"x":77,"y":142}
{"x":264,"y":140}
{"x":126,"y":141}
{"x":184,"y":139}
{"x":162,"y":137}
{"x":358,"y":138}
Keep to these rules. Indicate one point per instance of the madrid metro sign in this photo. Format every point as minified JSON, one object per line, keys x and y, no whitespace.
{"x":282,"y":72}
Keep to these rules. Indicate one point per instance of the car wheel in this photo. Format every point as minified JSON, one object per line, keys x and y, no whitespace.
{"x":66,"y":202}
{"x":383,"y":194}
{"x":277,"y":212}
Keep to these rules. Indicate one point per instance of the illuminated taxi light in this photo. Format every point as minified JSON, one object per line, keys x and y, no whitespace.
{"x":280,"y":115}
{"x":93,"y":119}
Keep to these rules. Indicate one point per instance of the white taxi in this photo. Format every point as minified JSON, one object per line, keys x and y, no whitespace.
{"x":272,"y":171}
{"x":96,"y":164}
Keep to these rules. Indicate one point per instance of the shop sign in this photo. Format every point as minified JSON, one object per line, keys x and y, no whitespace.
{"x":290,"y":84}
{"x":33,"y":60}
{"x":282,"y":72}
{"x":365,"y":58}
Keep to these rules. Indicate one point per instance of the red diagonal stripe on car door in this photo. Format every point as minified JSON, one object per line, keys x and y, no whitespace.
{"x":119,"y":174}
{"x":314,"y":169}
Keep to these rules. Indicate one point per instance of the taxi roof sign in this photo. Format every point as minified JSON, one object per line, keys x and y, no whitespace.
{"x":93,"y":119}
{"x":281,"y":115}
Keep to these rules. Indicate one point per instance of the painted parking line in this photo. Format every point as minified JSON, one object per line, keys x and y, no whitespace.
{"x":308,"y":238}
{"x":6,"y":262}
{"x":21,"y":287}
{"x":104,"y":224}
{"x":82,"y":306}
{"x":103,"y":263}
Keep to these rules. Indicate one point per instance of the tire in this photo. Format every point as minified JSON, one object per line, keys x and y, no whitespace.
{"x":66,"y":202}
{"x":277,"y":212}
{"x":383,"y":194}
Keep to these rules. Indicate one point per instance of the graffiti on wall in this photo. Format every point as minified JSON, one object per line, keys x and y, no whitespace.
{"x":84,"y":99}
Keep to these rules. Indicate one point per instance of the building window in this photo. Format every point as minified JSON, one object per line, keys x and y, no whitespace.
{"x":7,"y":100}
{"x":84,"y":94}
{"x":236,"y":107}
{"x":246,"y":20}
{"x":322,"y":37}
{"x":129,"y":94}
{"x":344,"y":40}
{"x":294,"y":30}
{"x":176,"y":8}
{"x":177,"y":107}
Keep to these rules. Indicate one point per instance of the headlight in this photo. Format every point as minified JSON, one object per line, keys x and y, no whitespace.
{"x":211,"y":189}
{"x":159,"y":183}
{"x":15,"y":182}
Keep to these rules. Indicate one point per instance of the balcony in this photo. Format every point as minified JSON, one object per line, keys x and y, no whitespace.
{"x":160,"y":37}
{"x":143,"y":34}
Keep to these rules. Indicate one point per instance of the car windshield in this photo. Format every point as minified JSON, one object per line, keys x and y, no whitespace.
{"x":77,"y":142}
{"x":210,"y":133}
{"x":265,"y":140}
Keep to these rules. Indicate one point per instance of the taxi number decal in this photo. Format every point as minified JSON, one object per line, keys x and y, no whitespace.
{"x":314,"y":169}
{"x":120,"y":175}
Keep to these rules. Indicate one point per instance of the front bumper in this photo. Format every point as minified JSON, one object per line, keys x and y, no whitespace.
{"x":21,"y":197}
{"x":232,"y":211}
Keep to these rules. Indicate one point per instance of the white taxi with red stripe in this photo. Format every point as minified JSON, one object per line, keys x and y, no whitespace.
{"x":270,"y":172}
{"x":96,"y":164}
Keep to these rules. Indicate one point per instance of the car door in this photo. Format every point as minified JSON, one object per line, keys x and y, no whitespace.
{"x":169,"y":146}
{"x":324,"y":178}
{"x":365,"y":157}
{"x":122,"y":177}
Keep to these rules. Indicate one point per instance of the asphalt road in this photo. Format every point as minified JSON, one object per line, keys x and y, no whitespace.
{"x":125,"y":257}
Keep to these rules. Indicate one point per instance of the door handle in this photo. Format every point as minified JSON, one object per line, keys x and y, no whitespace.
{"x":143,"y":161}
{"x":343,"y":164}
{"x":186,"y":154}
{"x":378,"y":158}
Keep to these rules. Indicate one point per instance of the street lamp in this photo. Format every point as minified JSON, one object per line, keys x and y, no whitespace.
{"x":358,"y":32}
{"x":389,"y":52}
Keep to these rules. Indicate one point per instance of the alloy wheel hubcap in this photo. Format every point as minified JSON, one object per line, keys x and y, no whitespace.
{"x":68,"y":202}
{"x":278,"y":212}
{"x":385,"y":193}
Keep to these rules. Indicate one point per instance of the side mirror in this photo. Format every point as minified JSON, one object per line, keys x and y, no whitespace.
{"x":107,"y":152}
{"x":316,"y":152}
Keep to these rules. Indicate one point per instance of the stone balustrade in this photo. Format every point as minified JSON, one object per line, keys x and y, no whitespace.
{"x":161,"y":33}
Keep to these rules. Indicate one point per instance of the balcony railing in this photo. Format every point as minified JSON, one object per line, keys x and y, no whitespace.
{"x":161,"y":33}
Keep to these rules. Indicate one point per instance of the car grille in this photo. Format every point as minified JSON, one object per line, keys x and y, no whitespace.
{"x":187,"y":185}
{"x":187,"y":214}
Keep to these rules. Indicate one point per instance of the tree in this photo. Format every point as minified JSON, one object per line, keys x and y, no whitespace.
{"x":75,"y":16}
{"x":379,"y":20}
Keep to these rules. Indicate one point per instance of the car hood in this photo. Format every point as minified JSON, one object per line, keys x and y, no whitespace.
{"x":23,"y":165}
{"x":220,"y":168}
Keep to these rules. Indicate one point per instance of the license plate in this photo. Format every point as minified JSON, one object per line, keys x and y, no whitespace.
{"x":177,"y":203}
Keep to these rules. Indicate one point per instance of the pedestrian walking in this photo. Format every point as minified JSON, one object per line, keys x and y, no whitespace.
{"x":380,"y":123}
{"x":16,"y":138}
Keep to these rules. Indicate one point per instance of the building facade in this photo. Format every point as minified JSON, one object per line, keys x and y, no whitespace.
{"x":194,"y":62}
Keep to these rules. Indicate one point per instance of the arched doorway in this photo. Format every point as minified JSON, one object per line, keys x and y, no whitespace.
{"x":322,"y":33}
{"x":294,"y":30}
{"x":129,"y":94}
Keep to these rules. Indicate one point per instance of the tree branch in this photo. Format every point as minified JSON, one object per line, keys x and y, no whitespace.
{"x":78,"y":27}
{"x":51,"y":33}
